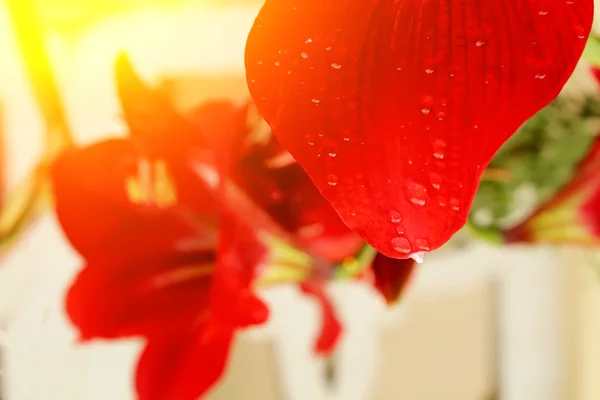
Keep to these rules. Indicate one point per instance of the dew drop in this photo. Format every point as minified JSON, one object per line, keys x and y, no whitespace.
{"x":423,"y":244}
{"x":400,"y":229}
{"x":417,"y":201}
{"x":418,"y":257}
{"x":353,"y":213}
{"x":346,"y":139}
{"x":328,"y":48}
{"x":480,"y":43}
{"x":417,"y":194}
{"x":429,"y":71}
{"x":436,"y":180}
{"x":542,"y":12}
{"x":309,"y":40}
{"x":540,"y":76}
{"x":332,"y":154}
{"x":336,"y":66}
{"x":316,"y":101}
{"x":395,"y":217}
{"x":304,"y":55}
{"x":441,"y":115}
{"x":455,"y":204}
{"x":425,"y":111}
{"x":401,"y":245}
{"x":276,"y":63}
{"x":332,"y":180}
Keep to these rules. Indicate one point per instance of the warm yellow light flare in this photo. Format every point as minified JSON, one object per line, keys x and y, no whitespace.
{"x":72,"y":16}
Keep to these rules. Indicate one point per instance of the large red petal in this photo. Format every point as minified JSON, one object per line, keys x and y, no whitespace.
{"x":182,"y":366}
{"x":331,"y":328}
{"x":391,"y":276}
{"x":395,"y":107}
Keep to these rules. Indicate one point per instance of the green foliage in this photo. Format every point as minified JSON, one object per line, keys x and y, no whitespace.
{"x":540,"y":157}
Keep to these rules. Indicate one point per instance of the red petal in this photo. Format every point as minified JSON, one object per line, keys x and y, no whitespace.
{"x":331,"y":328}
{"x":183,"y":366}
{"x":591,"y":209}
{"x":391,"y":276}
{"x":395,"y":107}
{"x":240,"y":254}
{"x":146,"y":287}
{"x":95,"y":209}
{"x":283,"y":190}
{"x":152,"y":119}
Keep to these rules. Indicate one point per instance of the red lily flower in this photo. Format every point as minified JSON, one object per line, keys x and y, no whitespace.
{"x":171,"y":257}
{"x":571,"y":216}
{"x":395,"y":108}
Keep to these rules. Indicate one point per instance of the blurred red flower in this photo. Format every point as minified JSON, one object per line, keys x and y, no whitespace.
{"x":180,"y":222}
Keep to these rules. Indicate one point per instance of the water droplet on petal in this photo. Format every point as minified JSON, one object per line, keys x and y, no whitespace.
{"x":417,"y":194}
{"x":395,"y":217}
{"x":309,"y":40}
{"x":425,"y":111}
{"x":400,"y":229}
{"x":429,"y":71}
{"x":423,"y":244}
{"x":346,"y":139}
{"x":353,"y":213}
{"x":276,"y":63}
{"x":480,"y":43}
{"x":332,"y":180}
{"x":304,"y":55}
{"x":418,"y":257}
{"x":316,"y":101}
{"x":436,"y":180}
{"x":332,"y":154}
{"x":542,"y":12}
{"x":455,"y":204}
{"x":540,"y":76}
{"x":401,"y":245}
{"x":336,"y":66}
